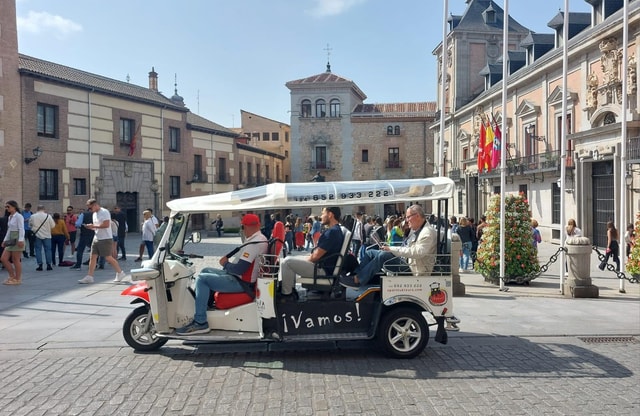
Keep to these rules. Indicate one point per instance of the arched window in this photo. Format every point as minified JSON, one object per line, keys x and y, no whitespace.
{"x":334,"y":108}
{"x":321,"y":108}
{"x":396,"y":130}
{"x":305,"y":108}
{"x":389,"y":130}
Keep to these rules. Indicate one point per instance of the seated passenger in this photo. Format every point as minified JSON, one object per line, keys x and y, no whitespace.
{"x":228,"y":279}
{"x":419,"y":249}
{"x":330,"y":242}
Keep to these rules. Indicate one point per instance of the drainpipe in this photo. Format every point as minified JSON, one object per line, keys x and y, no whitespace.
{"x":91,"y":182}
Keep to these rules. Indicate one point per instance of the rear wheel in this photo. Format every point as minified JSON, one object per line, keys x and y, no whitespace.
{"x":403,"y":333}
{"x":139,"y":332}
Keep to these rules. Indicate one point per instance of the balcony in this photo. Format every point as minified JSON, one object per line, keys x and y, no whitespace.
{"x":633,"y":150}
{"x":321,"y":165}
{"x":198,"y":177}
{"x":392,"y":164}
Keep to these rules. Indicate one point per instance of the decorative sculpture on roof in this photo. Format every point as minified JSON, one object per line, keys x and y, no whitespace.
{"x":632,"y":80}
{"x":592,"y":91}
{"x":610,"y":60}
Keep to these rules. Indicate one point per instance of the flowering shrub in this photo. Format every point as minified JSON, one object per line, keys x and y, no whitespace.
{"x":633,"y":263}
{"x":520,"y":257}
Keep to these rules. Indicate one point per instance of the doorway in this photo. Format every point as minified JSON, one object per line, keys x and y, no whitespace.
{"x":128,"y":203}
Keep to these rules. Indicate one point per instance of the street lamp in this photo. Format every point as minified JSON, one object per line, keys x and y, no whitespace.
{"x":37,"y":152}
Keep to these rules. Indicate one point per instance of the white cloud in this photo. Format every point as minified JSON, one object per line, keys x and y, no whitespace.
{"x":325,"y":8}
{"x":43,"y":22}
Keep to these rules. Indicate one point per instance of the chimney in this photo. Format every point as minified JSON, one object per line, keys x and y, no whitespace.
{"x":153,"y":80}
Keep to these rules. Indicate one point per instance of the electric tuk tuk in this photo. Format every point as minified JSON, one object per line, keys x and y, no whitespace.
{"x":396,"y":311}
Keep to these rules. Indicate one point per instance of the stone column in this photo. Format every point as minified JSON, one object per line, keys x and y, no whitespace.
{"x":578,"y":284}
{"x":456,"y":246}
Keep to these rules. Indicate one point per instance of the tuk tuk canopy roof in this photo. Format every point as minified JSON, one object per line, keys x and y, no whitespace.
{"x":308,"y":194}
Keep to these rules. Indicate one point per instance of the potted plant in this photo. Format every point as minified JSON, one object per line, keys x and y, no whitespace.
{"x":521,"y":258}
{"x":633,"y":263}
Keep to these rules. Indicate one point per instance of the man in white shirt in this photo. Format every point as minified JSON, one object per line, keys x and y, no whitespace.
{"x":41,"y":224}
{"x":102,"y":244}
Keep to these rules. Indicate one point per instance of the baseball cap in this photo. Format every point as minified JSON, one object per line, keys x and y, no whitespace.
{"x":250,"y":219}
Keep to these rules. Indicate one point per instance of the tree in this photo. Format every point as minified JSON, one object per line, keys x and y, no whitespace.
{"x":633,"y":264}
{"x":521,"y":258}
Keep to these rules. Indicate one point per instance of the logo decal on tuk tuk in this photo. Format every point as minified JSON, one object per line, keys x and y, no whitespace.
{"x":306,"y":319}
{"x":438,"y":296}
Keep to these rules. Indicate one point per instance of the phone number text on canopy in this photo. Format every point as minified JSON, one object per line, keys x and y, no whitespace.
{"x":341,"y":196}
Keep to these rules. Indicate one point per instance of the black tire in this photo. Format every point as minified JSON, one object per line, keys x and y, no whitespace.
{"x":403,"y":333}
{"x":133,"y":334}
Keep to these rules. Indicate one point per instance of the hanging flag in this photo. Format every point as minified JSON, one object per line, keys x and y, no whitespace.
{"x":134,"y":139}
{"x":488,"y":146}
{"x":481,"y":147}
{"x":497,"y":145}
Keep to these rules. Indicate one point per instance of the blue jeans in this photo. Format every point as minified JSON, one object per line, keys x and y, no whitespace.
{"x":466,"y":255}
{"x":372,"y":264}
{"x":216,"y":280}
{"x":57,"y":244}
{"x":40,"y":244}
{"x":149,"y":245}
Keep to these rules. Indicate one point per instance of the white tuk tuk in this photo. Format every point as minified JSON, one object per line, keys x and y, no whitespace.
{"x":397,"y":311}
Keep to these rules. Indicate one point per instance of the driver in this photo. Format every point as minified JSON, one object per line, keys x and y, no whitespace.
{"x":228,"y":279}
{"x":419,"y":248}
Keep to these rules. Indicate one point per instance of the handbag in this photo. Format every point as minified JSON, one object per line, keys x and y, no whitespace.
{"x":12,"y":242}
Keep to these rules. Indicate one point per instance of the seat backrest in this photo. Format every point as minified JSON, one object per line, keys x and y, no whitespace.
{"x":346,"y":243}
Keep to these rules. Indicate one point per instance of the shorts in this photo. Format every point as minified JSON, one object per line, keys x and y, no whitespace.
{"x":72,"y":236}
{"x":101,"y":247}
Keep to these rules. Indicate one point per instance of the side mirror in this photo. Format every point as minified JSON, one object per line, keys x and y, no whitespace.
{"x":196,"y":237}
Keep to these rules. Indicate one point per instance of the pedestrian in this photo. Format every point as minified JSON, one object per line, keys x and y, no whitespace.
{"x":42,"y":223}
{"x":629,"y":239}
{"x":148,"y":232}
{"x":219,"y":225}
{"x":86,"y":237}
{"x":357,"y":237}
{"x":572,"y":229}
{"x":102,"y":241}
{"x":13,"y":244}
{"x":142,"y":244}
{"x":29,"y":236}
{"x":123,"y":228}
{"x":59,"y":235}
{"x":613,"y":247}
{"x":4,"y":226}
{"x":465,"y":232}
{"x":70,"y":219}
{"x":536,"y":234}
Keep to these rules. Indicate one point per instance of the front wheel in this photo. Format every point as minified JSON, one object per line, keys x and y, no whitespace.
{"x":403,"y":333}
{"x":136,"y":333}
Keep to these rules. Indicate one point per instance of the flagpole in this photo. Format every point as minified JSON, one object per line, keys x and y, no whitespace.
{"x":443,"y":82}
{"x":505,"y":75}
{"x":623,"y":147}
{"x":563,"y":141}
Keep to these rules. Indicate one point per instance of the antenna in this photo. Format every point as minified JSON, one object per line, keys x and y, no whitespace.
{"x":328,"y":49}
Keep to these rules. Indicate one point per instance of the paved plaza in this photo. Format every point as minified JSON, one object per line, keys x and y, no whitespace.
{"x":526,"y":351}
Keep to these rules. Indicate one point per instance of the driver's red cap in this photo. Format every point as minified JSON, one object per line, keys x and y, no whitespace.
{"x":250,"y":219}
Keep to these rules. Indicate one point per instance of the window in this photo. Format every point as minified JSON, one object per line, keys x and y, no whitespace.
{"x":320,"y":157}
{"x":265,"y":137}
{"x":522,"y":189}
{"x":197,"y":169}
{"x":258,"y":174}
{"x":275,"y":137}
{"x":250,"y":178}
{"x":555,"y":208}
{"x":47,"y":116}
{"x":389,"y":130}
{"x":266,"y":172}
{"x":256,"y":136}
{"x":48,"y":184}
{"x":396,"y":130}
{"x":223,"y":177}
{"x":79,"y":186}
{"x":278,"y":173}
{"x":394,"y":157}
{"x":174,"y":139}
{"x":559,"y":133}
{"x":393,"y":130}
{"x":286,"y":153}
{"x":365,"y":155}
{"x":286,"y":136}
{"x":321,"y":108}
{"x":240,"y":173}
{"x":174,"y":187}
{"x":334,"y":108}
{"x":305,"y":108}
{"x":127,"y":130}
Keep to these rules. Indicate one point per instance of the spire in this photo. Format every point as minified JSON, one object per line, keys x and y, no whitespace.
{"x":328,"y":49}
{"x":176,"y":98}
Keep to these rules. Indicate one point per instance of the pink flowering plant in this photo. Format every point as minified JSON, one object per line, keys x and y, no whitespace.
{"x":520,"y":257}
{"x":633,"y":263}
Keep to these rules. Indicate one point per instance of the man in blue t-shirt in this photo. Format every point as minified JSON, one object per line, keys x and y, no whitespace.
{"x":330,"y":242}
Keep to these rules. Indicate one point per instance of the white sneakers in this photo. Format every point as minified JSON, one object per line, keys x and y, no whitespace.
{"x":120,"y":276}
{"x":86,"y":279}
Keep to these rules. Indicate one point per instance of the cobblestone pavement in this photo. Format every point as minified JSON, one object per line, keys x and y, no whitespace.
{"x":528,"y":351}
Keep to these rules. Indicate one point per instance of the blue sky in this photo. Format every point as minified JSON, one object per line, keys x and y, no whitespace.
{"x":230,"y":55}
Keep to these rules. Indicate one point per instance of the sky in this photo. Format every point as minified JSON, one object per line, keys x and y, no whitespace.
{"x":232,"y":55}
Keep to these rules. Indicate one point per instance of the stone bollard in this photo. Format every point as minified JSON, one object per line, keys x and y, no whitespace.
{"x":578,"y":284}
{"x":456,"y":246}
